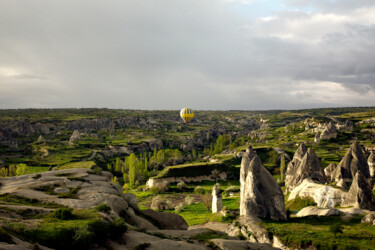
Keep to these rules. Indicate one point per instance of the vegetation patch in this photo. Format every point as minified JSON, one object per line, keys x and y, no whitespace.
{"x":85,"y":228}
{"x":20,"y":200}
{"x":299,"y":203}
{"x":318,"y":232}
{"x":80,"y":164}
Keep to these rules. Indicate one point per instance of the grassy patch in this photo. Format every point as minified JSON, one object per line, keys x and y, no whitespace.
{"x":303,"y":232}
{"x":299,"y":203}
{"x":208,"y":236}
{"x":19,"y":200}
{"x":80,"y":164}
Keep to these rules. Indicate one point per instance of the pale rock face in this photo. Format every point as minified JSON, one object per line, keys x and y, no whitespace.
{"x":329,"y":132}
{"x":360,"y":193}
{"x":260,"y":194}
{"x":371,"y":164}
{"x":294,"y":164}
{"x":309,"y":167}
{"x":328,"y":171}
{"x":353,"y":161}
{"x":75,"y":136}
{"x":217,"y":201}
{"x":314,"y":211}
{"x":324,"y":196}
{"x":317,"y":137}
{"x":341,"y":183}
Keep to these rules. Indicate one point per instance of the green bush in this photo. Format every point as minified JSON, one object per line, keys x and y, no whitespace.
{"x":104,"y":208}
{"x":199,"y":190}
{"x":117,"y":228}
{"x":299,"y":203}
{"x":63,"y":213}
{"x":83,"y":237}
{"x":97,"y":170}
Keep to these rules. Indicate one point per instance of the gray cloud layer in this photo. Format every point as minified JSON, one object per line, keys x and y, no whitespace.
{"x":203,"y":54}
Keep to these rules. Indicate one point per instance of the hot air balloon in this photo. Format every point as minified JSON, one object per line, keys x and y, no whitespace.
{"x":186,"y":115}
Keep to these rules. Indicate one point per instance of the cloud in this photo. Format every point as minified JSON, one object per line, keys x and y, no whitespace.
{"x":168,"y":54}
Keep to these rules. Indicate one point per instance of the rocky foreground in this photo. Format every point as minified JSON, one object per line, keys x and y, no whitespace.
{"x":85,"y":189}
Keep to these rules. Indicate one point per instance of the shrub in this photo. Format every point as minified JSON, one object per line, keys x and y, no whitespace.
{"x":104,"y":208}
{"x":207,"y":201}
{"x":142,"y":246}
{"x":159,"y":188}
{"x":83,"y":237}
{"x":181,"y":185}
{"x":199,"y":190}
{"x":63,"y":213}
{"x":231,"y":189}
{"x":179,"y":207}
{"x":37,"y":176}
{"x":158,"y":203}
{"x":189,"y":200}
{"x":299,"y":203}
{"x":336,"y":229}
{"x":97,"y":170}
{"x":101,"y":230}
{"x":117,"y":228}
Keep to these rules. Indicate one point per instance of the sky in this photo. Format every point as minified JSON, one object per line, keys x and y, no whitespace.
{"x":201,"y":54}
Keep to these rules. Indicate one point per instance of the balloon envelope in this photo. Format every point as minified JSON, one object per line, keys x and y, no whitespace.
{"x":186,"y":115}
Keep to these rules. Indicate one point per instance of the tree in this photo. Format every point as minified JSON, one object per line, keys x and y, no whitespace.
{"x":282,"y":168}
{"x":133,"y":163}
{"x":21,"y":169}
{"x":118,"y":165}
{"x":207,"y":201}
{"x":336,"y":229}
{"x":194,"y":154}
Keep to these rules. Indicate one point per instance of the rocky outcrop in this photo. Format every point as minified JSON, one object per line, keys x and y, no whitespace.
{"x":294,"y":164}
{"x":90,"y":189}
{"x":317,"y":138}
{"x":353,"y":161}
{"x":75,"y":136}
{"x":360,"y":193}
{"x":328,"y":171}
{"x":249,"y":226}
{"x":260,"y":194}
{"x":369,"y":219}
{"x":308,"y":167}
{"x":329,"y":132}
{"x":240,"y":245}
{"x":346,"y":126}
{"x":217,"y":201}
{"x":371,"y":164}
{"x":324,"y":196}
{"x":314,"y":211}
{"x":164,"y":220}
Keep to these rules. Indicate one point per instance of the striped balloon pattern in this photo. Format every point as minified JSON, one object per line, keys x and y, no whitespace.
{"x":186,"y":115}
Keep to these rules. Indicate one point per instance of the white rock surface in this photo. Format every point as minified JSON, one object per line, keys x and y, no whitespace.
{"x":324,"y":196}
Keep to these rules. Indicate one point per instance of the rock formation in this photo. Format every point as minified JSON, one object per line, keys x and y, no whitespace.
{"x":371,"y":164}
{"x":308,"y":167}
{"x":75,"y":136}
{"x":369,"y":219}
{"x":360,"y":194}
{"x":217,"y":201}
{"x":353,"y":161}
{"x":328,"y":171}
{"x":296,"y":161}
{"x":346,"y":126}
{"x":314,"y":211}
{"x":260,"y":194}
{"x":317,"y":137}
{"x":329,"y":132}
{"x":324,"y":196}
